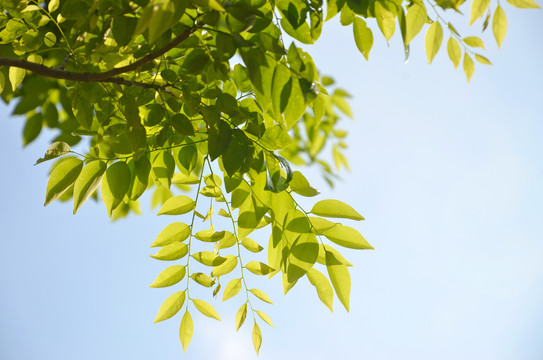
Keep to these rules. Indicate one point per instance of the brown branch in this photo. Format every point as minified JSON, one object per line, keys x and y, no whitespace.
{"x":107,"y":76}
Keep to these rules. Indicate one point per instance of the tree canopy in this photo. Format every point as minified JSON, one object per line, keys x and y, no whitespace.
{"x":216,"y":100}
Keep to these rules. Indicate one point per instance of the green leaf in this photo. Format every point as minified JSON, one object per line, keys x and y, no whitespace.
{"x":232,"y":289}
{"x":170,"y":276}
{"x":469,"y":66}
{"x":173,"y":251}
{"x":474,"y":41}
{"x":335,"y":209}
{"x":186,"y":330}
{"x":177,"y":205}
{"x":140,"y":177}
{"x":323,"y":249}
{"x":49,"y":39}
{"x":202,"y":279}
{"x":499,"y":25}
{"x":182,"y":124}
{"x":258,"y":268}
{"x":482,"y":59}
{"x":454,"y":51}
{"x":174,"y":232}
{"x":164,"y":167}
{"x":385,"y":19}
{"x":226,"y":267}
{"x":53,"y":5}
{"x":415,"y":19}
{"x":115,"y":184}
{"x":213,"y":4}
{"x":257,"y":337}
{"x":478,"y":9}
{"x":210,"y":235}
{"x":206,"y":309}
{"x":170,"y":306}
{"x":208,"y":258}
{"x":363,"y":37}
{"x":181,"y":178}
{"x":264,"y":317}
{"x":219,"y":137}
{"x":58,"y":148}
{"x":347,"y":237}
{"x":524,"y":4}
{"x":275,"y":138}
{"x":341,"y":280}
{"x":32,"y":129}
{"x":300,"y":185}
{"x":320,"y":225}
{"x":62,"y":177}
{"x":235,"y":154}
{"x":251,"y":245}
{"x":261,"y":295}
{"x":16,"y":76}
{"x":434,"y":37}
{"x":323,"y":287}
{"x":240,"y":316}
{"x":88,"y":181}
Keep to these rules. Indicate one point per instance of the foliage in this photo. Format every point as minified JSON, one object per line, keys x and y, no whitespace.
{"x":205,"y":96}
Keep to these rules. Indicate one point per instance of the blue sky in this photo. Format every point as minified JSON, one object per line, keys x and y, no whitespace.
{"x":448,"y":175}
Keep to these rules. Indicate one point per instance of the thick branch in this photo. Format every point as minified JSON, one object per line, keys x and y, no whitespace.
{"x":107,"y":76}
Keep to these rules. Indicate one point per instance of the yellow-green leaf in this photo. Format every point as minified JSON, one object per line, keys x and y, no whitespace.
{"x":208,"y":258}
{"x":88,"y":181}
{"x":16,"y":76}
{"x":499,"y":25}
{"x":300,"y":185}
{"x":203,"y":279}
{"x":415,"y":19}
{"x":257,"y":337}
{"x":170,"y":276}
{"x":173,"y":251}
{"x":524,"y":4}
{"x":455,"y":51}
{"x":58,"y":148}
{"x":258,"y":268}
{"x":386,"y":20}
{"x":177,"y":205}
{"x":482,"y":59}
{"x":115,"y":184}
{"x":53,"y":5}
{"x":323,"y":249}
{"x":335,"y":209}
{"x":62,"y":177}
{"x":261,"y":295}
{"x":363,"y":37}
{"x":323,"y":287}
{"x":251,"y":245}
{"x":226,"y":267}
{"x":240,"y":316}
{"x":174,"y":232}
{"x":232,"y":289}
{"x":264,"y":317}
{"x":210,"y":235}
{"x":206,"y":309}
{"x":170,"y":306}
{"x":432,"y":42}
{"x":474,"y":41}
{"x":469,"y":66}
{"x":320,"y":225}
{"x":347,"y":237}
{"x":478,"y":9}
{"x":164,"y":167}
{"x":341,"y":280}
{"x":214,"y":4}
{"x":186,"y":330}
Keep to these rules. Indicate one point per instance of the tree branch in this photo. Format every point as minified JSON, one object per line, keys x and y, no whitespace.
{"x":107,"y":76}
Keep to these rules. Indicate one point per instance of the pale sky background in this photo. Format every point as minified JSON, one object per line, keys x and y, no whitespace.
{"x":449,"y":176}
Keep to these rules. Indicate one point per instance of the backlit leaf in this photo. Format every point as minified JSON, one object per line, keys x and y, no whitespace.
{"x":474,"y":41}
{"x":363,"y":37}
{"x":478,"y":9}
{"x":164,"y":167}
{"x":415,"y":19}
{"x":499,"y":25}
{"x":454,"y":51}
{"x":202,"y":279}
{"x":173,"y":251}
{"x":88,"y":181}
{"x":347,"y":237}
{"x":341,"y":280}
{"x":257,"y":337}
{"x":170,"y":306}
{"x":170,"y":276}
{"x":469,"y":66}
{"x":58,"y":148}
{"x":300,"y":185}
{"x":335,"y":209}
{"x":206,"y":309}
{"x":264,"y":317}
{"x":174,"y":232}
{"x":232,"y":289}
{"x":62,"y":177}
{"x":208,"y":258}
{"x":240,"y":316}
{"x":258,"y":268}
{"x":177,"y":205}
{"x":482,"y":59}
{"x":251,"y":245}
{"x":16,"y":76}
{"x":385,"y":19}
{"x":261,"y":295}
{"x":323,"y":287}
{"x":434,"y":36}
{"x":115,"y":184}
{"x":186,"y":330}
{"x":524,"y":4}
{"x":226,"y":267}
